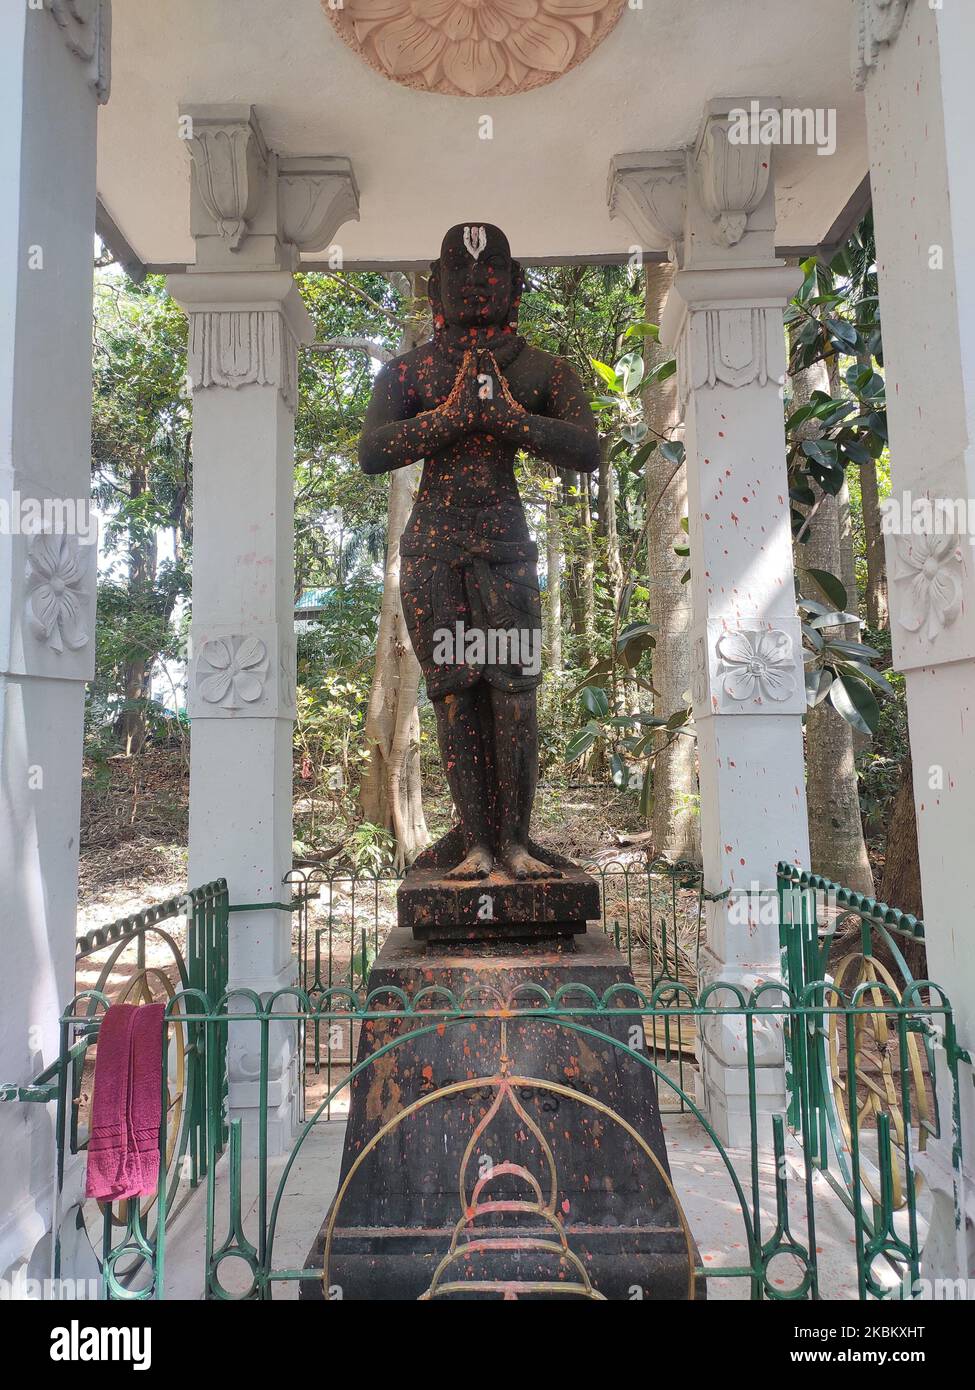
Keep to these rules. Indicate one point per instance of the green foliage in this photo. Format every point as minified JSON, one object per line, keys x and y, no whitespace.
{"x":838,"y":670}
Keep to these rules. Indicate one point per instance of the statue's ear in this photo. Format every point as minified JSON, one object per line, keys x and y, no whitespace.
{"x":434,"y":296}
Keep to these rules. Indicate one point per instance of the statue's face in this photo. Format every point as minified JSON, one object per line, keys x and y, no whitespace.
{"x":475,"y":275}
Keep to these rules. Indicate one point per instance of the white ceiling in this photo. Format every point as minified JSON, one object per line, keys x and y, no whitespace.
{"x":417,"y":157}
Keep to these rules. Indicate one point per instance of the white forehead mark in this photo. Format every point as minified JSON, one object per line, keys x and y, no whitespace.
{"x":475,"y":240}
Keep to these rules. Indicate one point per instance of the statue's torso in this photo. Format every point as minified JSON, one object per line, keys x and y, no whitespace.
{"x":469,"y":487}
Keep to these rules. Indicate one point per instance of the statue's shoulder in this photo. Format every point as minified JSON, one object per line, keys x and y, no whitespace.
{"x":544,"y":368}
{"x":535,"y":362}
{"x":407,"y":364}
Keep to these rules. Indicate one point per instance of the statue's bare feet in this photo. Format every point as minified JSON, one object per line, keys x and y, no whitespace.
{"x":477,"y":863}
{"x":521,"y":864}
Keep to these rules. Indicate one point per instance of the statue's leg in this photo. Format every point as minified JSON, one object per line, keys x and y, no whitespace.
{"x":462,"y":754}
{"x":516,"y":773}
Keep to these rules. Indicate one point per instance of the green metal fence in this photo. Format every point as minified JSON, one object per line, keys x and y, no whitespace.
{"x":778,"y":1255}
{"x":173,"y":952}
{"x":862,"y":1088}
{"x":845,"y":1150}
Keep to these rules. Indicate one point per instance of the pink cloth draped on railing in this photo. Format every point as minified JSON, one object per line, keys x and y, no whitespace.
{"x":123,"y":1145}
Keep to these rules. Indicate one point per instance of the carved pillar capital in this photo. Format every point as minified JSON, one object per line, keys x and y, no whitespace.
{"x":649,"y":191}
{"x":876,"y":23}
{"x":733,"y":170}
{"x":250,"y":209}
{"x":243,"y":330}
{"x":726,"y":326}
{"x":230,"y":170}
{"x":87,"y":29}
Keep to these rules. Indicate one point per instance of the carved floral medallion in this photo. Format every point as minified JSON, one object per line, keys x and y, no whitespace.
{"x":232,"y":671}
{"x":928,"y":575}
{"x":58,"y":595}
{"x":757,"y":665}
{"x":473,"y":47}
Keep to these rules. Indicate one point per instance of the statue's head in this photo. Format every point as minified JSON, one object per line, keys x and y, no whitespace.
{"x":474,"y":283}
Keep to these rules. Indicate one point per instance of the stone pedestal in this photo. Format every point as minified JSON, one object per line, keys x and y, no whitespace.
{"x":500,"y":1157}
{"x":497,"y":908}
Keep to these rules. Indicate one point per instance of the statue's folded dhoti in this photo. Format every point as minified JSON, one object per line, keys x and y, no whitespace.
{"x":472,"y":609}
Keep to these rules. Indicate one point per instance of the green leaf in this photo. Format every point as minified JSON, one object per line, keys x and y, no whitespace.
{"x":833,"y":588}
{"x":834,"y":620}
{"x":579,"y":744}
{"x":636,"y":630}
{"x":818,"y":683}
{"x":672,"y":451}
{"x":630,"y":368}
{"x":665,"y":370}
{"x":642,"y":454}
{"x":856,"y":703}
{"x":604,"y":370}
{"x":596,"y":701}
{"x":859,"y":651}
{"x":866,"y":673}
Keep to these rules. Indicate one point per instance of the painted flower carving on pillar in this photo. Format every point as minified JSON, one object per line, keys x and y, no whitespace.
{"x":232,"y":671}
{"x":929,"y":583}
{"x":57,"y":600}
{"x":757,"y":665}
{"x":474,"y":47}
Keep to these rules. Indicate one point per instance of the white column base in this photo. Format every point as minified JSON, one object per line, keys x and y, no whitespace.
{"x":722,"y":1089}
{"x":283,"y":1061}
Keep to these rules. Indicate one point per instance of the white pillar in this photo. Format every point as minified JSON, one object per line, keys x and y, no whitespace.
{"x":915,"y":64}
{"x":724,"y":318}
{"x":53,"y":73}
{"x":246,"y":321}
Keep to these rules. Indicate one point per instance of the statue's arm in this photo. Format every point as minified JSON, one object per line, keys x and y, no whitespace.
{"x":566,"y":434}
{"x":395,"y":434}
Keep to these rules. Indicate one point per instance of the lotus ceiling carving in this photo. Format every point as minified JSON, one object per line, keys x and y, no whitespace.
{"x":473,"y":47}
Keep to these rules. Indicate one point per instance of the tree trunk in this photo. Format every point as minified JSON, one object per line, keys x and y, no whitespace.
{"x":836,"y":843}
{"x":675,"y":821}
{"x":608,"y":525}
{"x":131,"y":727}
{"x":901,"y":881}
{"x":553,"y":567}
{"x":582,"y":573}
{"x":877,"y":610}
{"x":878,"y":613}
{"x":391,"y":794}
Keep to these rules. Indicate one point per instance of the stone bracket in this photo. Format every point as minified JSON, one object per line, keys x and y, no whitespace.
{"x":712,"y":204}
{"x":733,"y":178}
{"x":316,"y":196}
{"x":876,"y":24}
{"x":87,"y":29}
{"x":649,"y":191}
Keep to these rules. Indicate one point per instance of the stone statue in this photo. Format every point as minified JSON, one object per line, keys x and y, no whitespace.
{"x":465,"y":402}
